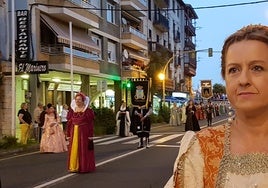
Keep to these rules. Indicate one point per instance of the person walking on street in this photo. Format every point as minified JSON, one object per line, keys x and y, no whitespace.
{"x":37,"y":129}
{"x":209,"y":111}
{"x":123,"y":121}
{"x":80,"y":130}
{"x":141,"y":118}
{"x":64,"y":112}
{"x":191,"y":120}
{"x":53,"y":138}
{"x":174,"y":115}
{"x":25,"y":120}
{"x":234,"y":154}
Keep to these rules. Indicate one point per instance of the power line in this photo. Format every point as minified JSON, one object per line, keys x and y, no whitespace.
{"x":164,"y":9}
{"x":231,"y":5}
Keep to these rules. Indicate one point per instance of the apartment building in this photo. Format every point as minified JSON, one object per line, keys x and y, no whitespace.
{"x":112,"y":41}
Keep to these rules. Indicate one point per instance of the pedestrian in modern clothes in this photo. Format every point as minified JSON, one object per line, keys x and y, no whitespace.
{"x":80,"y":132}
{"x":64,"y":112}
{"x":25,"y":120}
{"x":37,"y":111}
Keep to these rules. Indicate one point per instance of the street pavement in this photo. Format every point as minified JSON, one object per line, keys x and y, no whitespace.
{"x":155,"y":128}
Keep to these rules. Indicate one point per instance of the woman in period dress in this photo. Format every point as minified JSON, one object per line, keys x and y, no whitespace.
{"x":191,"y":120}
{"x":234,"y":154}
{"x":53,"y":138}
{"x":123,"y":121}
{"x":174,"y":118}
{"x":80,"y":118}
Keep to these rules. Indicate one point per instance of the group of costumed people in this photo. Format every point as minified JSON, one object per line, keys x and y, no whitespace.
{"x":78,"y":139}
{"x":177,"y":115}
{"x":139,"y":124}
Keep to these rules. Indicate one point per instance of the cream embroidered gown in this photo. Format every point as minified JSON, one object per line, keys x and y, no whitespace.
{"x":225,"y":170}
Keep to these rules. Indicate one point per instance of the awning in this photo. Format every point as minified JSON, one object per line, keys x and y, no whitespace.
{"x":80,"y":38}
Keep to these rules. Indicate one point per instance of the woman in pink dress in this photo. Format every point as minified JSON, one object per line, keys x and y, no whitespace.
{"x":53,"y":138}
{"x":80,"y":118}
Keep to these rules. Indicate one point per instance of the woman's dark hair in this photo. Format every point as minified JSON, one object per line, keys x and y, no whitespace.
{"x":49,"y":105}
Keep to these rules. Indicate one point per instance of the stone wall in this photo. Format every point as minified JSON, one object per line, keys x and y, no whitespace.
{"x":5,"y":99}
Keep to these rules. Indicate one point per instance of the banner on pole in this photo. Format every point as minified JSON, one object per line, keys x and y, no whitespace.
{"x":139,"y":91}
{"x":206,"y":89}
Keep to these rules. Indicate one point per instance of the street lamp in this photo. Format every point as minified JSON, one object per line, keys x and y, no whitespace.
{"x":162,"y":76}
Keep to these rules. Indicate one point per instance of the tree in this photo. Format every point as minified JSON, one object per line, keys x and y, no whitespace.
{"x":158,"y":60}
{"x":219,"y":88}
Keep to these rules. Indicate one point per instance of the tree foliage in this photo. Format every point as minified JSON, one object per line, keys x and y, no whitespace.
{"x":158,"y":59}
{"x":219,"y":88}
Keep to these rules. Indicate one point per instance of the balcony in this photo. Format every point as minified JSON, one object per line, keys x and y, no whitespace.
{"x":157,"y":47}
{"x":162,"y":3}
{"x":189,"y":29}
{"x":169,"y":83}
{"x":190,"y":68}
{"x":134,"y":38}
{"x":135,"y":7}
{"x":84,"y":18}
{"x":189,"y":44}
{"x":88,"y":6}
{"x":161,"y":22}
{"x":58,"y":57}
{"x":133,"y":71}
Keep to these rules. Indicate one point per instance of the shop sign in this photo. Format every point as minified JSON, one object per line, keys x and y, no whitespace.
{"x":22,"y":44}
{"x":34,"y":67}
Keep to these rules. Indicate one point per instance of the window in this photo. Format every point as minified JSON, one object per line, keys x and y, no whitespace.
{"x":111,"y":52}
{"x":110,"y":13}
{"x":97,"y":40}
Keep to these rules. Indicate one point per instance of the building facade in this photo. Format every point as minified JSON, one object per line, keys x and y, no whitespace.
{"x":92,"y":46}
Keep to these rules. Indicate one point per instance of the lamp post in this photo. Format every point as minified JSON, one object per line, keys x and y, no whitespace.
{"x":162,"y":76}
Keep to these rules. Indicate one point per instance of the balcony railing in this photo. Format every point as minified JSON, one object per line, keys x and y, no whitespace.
{"x":61,"y":49}
{"x":143,"y":2}
{"x":87,"y":5}
{"x":161,"y":22}
{"x":189,"y":28}
{"x":132,"y":30}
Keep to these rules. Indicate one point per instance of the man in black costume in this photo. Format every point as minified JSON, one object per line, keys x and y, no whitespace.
{"x":141,"y":123}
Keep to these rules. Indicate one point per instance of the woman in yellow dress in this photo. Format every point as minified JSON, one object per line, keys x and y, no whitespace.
{"x":80,"y":135}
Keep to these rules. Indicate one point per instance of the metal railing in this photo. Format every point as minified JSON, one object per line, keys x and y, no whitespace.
{"x":87,"y":5}
{"x":61,"y":49}
{"x":136,"y":32}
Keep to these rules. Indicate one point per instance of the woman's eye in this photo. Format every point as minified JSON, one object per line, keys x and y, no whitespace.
{"x":232,"y":70}
{"x":257,"y":68}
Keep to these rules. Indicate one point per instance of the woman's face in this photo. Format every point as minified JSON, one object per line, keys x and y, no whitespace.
{"x":246,"y":75}
{"x":79,"y":101}
{"x":51,"y":109}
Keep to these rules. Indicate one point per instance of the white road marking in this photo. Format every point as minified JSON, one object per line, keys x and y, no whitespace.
{"x":137,"y":140}
{"x":119,"y":139}
{"x":165,"y":139}
{"x":104,"y":139}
